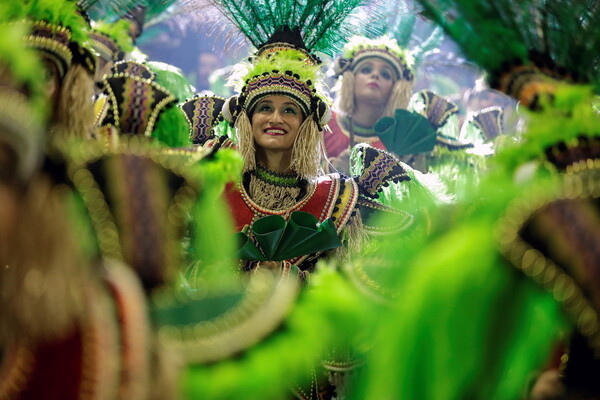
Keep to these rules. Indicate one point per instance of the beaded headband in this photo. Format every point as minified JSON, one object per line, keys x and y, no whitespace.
{"x":54,"y":41}
{"x":359,"y":49}
{"x":281,"y":69}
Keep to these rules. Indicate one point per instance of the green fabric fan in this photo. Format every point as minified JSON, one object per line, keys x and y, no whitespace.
{"x":406,"y":133}
{"x":279,"y":240}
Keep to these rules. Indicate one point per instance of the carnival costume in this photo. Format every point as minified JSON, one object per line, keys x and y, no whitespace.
{"x":355,"y":51}
{"x":519,"y":266}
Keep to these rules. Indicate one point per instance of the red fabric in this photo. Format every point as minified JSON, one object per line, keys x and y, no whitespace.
{"x":56,"y":371}
{"x":336,"y":141}
{"x":318,"y":205}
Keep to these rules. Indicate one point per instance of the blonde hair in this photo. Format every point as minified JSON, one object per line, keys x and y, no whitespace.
{"x":74,"y":111}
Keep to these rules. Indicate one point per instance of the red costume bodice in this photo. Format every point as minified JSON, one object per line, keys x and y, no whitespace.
{"x":330,"y":196}
{"x":338,"y":139}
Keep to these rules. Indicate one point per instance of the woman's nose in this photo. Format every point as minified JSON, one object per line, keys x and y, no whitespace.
{"x":276,"y":116}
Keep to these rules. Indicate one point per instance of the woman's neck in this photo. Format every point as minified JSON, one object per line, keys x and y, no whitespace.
{"x":277,"y":161}
{"x":367,"y":114}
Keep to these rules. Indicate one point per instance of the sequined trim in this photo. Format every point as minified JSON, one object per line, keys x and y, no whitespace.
{"x":264,"y":306}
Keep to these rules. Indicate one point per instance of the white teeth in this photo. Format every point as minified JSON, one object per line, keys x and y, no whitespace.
{"x":276,"y":131}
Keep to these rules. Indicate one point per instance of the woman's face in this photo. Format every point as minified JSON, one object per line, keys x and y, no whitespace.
{"x":276,"y":121}
{"x":373,"y":81}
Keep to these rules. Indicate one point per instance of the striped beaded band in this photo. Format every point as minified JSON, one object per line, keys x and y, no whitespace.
{"x":135,"y":103}
{"x":286,"y":84}
{"x":274,"y":178}
{"x":53,"y":40}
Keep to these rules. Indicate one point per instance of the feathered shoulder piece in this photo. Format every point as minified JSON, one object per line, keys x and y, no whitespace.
{"x":436,"y":108}
{"x":487,"y":123}
{"x":140,"y":104}
{"x":135,"y":98}
{"x":375,"y":168}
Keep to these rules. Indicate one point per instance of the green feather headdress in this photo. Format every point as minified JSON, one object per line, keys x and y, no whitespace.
{"x":143,"y":13}
{"x":58,"y":30}
{"x":287,"y":34}
{"x":392,"y":35}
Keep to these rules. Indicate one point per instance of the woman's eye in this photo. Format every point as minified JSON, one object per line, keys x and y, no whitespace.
{"x":386,"y":75}
{"x":366,"y":70}
{"x":290,"y":110}
{"x":264,"y":108}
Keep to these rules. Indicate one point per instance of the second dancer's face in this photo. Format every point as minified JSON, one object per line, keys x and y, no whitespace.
{"x":373,"y":81}
{"x":276,"y":122}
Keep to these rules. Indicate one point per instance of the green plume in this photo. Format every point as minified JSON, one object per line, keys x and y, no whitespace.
{"x":113,"y":10}
{"x":23,"y":65}
{"x":322,"y":24}
{"x":63,"y":13}
{"x":172,"y":79}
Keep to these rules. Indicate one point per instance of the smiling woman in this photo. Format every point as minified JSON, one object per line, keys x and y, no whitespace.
{"x":278,"y":119}
{"x":276,"y":122}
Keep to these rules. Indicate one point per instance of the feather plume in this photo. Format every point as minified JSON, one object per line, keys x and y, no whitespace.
{"x":323,"y":24}
{"x":112,"y":10}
